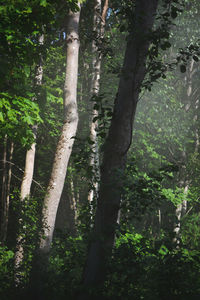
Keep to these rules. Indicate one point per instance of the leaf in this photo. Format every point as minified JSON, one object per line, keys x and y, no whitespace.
{"x":9,"y":37}
{"x":1,"y":117}
{"x":182,"y":68}
{"x":27,"y":119}
{"x":28,"y":10}
{"x":27,"y":71}
{"x":43,"y":3}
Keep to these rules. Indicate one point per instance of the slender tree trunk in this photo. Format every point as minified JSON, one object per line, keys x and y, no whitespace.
{"x":30,"y":154}
{"x":65,"y":143}
{"x":7,"y":203}
{"x":61,"y":159}
{"x":181,"y":209}
{"x":99,"y":30}
{"x":66,"y":218}
{"x":73,"y":202}
{"x":117,"y":144}
{"x":3,"y":190}
{"x":28,"y":170}
{"x":5,"y":200}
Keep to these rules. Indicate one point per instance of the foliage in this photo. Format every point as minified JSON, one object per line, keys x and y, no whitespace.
{"x":143,"y":269}
{"x":163,"y":159}
{"x":66,"y":265}
{"x":17,"y":114}
{"x":6,"y":269}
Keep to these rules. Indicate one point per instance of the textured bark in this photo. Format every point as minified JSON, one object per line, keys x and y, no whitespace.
{"x":179,"y":213}
{"x":66,"y":218}
{"x":184,"y":182}
{"x":66,"y":140}
{"x":99,"y":30}
{"x":117,"y":144}
{"x":7,"y":203}
{"x":6,"y":182}
{"x":3,"y":190}
{"x":5,"y":200}
{"x":29,"y":169}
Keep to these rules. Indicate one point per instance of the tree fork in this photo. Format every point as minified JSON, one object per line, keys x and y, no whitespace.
{"x":117,"y":145}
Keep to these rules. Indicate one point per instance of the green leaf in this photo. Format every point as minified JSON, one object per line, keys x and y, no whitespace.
{"x":43,"y":3}
{"x":9,"y":37}
{"x":1,"y":117}
{"x":27,"y":71}
{"x":163,"y":250}
{"x":28,"y":10}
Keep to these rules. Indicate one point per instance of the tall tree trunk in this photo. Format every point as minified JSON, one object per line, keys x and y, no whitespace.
{"x":65,"y":143}
{"x":99,"y":30}
{"x":3,"y":190}
{"x":117,"y":144}
{"x":29,"y":169}
{"x":7,"y":203}
{"x":184,"y":182}
{"x":5,"y":197}
{"x":30,"y":154}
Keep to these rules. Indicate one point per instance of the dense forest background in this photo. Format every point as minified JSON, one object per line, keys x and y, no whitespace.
{"x":99,"y":151}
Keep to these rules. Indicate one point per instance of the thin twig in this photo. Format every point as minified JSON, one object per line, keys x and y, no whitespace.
{"x":11,"y":163}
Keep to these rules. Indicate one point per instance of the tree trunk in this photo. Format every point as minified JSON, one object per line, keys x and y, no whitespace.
{"x":3,"y":189}
{"x":5,"y":197}
{"x":117,"y":144}
{"x":184,"y":183}
{"x":66,"y":218}
{"x":65,"y":143}
{"x":30,"y":154}
{"x":99,"y":30}
{"x":7,"y":203}
{"x":29,"y":169}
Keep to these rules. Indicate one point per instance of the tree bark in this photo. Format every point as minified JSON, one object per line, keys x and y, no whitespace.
{"x":3,"y":191}
{"x":65,"y":143}
{"x":29,"y":169}
{"x":7,"y":203}
{"x":99,"y":30}
{"x":191,"y":102}
{"x":117,"y":144}
{"x":7,"y":174}
{"x":30,"y":154}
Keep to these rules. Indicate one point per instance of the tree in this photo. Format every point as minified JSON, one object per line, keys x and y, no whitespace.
{"x":118,"y":142}
{"x":99,"y":21}
{"x":66,"y":140}
{"x":29,"y":167}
